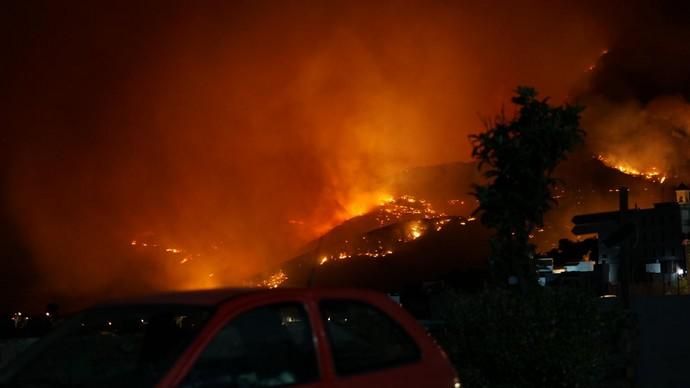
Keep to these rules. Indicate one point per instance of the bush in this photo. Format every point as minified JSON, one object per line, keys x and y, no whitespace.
{"x":544,"y":338}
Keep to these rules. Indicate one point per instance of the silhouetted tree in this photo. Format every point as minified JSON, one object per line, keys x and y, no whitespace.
{"x":518,"y":157}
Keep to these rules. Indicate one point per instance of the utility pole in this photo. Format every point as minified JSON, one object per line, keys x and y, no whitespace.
{"x":627,"y":232}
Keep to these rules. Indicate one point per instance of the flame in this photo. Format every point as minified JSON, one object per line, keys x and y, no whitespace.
{"x":415,"y":230}
{"x":364,"y":202}
{"x":653,"y":174}
{"x":352,"y":205}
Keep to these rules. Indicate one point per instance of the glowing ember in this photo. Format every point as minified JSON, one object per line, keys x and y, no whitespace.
{"x":275,"y":280}
{"x":396,"y":209}
{"x":438,"y":224}
{"x":652,"y":174}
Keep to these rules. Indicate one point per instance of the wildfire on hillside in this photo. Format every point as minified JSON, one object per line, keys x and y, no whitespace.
{"x":376,"y":244}
{"x":652,"y":173}
{"x":196,"y":265}
{"x":416,"y":215}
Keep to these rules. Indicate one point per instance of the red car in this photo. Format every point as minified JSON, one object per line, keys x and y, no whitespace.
{"x":238,"y":338}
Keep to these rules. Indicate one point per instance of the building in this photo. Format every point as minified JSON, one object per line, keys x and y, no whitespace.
{"x":654,"y":239}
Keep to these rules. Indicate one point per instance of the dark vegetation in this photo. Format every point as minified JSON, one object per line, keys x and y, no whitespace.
{"x":543,"y":338}
{"x":517,"y":334}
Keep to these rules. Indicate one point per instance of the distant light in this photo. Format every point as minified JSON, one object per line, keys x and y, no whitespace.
{"x":680,"y":271}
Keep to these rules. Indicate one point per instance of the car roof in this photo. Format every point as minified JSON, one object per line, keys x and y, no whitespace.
{"x":213,"y":297}
{"x":208,"y":297}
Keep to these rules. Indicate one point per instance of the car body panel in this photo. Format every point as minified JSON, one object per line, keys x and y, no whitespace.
{"x":432,"y":370}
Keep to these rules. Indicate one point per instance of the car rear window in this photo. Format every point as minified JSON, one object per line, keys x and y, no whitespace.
{"x":111,"y":346}
{"x":364,"y":339}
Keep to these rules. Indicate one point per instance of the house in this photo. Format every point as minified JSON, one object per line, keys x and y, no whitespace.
{"x":654,"y":238}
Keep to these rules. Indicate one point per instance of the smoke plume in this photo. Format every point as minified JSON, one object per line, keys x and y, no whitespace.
{"x":638,"y":110}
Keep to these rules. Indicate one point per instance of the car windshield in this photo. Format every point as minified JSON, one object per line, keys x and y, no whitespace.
{"x":109,"y":347}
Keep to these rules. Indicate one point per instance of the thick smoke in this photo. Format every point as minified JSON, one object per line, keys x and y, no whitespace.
{"x":238,"y":131}
{"x":638,"y":107}
{"x":646,"y":137}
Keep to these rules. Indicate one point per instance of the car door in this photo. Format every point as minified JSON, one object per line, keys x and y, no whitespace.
{"x":370,"y":348}
{"x":268,"y":345}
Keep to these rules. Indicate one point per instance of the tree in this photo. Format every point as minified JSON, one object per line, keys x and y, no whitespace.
{"x":518,"y":157}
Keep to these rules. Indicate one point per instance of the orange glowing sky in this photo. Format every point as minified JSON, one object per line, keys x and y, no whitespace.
{"x":216,"y":124}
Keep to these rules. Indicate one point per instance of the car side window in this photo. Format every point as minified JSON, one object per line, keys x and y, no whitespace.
{"x":269,"y":346}
{"x":364,"y":338}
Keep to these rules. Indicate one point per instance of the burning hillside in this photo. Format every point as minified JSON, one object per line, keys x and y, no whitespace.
{"x":638,"y":97}
{"x":394,"y":226}
{"x":652,"y":173}
{"x":389,"y":254}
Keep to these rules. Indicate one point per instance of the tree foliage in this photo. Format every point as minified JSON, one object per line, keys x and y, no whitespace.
{"x":518,"y":157}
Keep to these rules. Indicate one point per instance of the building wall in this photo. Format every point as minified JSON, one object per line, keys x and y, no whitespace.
{"x":685,"y":219}
{"x":659,"y":234}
